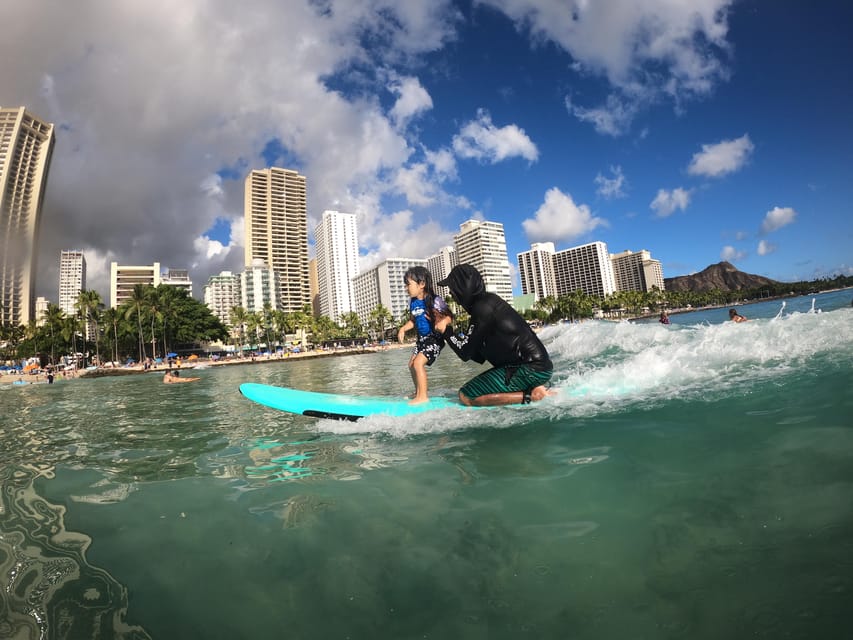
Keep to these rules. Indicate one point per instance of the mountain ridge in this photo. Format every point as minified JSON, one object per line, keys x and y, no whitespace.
{"x":723,"y":276}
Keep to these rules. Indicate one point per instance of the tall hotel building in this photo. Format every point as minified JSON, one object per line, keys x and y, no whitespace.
{"x":483,"y":245}
{"x":336,"y":241}
{"x":383,"y":284}
{"x":221,"y":294}
{"x":259,"y":286}
{"x":439,"y":266}
{"x":536,"y":268}
{"x":72,"y":279}
{"x":587,"y":268}
{"x":276,"y":222}
{"x":124,"y":278}
{"x":636,"y":271}
{"x":26,"y":146}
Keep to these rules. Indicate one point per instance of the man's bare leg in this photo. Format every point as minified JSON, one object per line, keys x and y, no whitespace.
{"x":500,"y":399}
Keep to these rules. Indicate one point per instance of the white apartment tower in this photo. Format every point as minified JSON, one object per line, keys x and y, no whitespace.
{"x":587,"y":268}
{"x":636,"y":271}
{"x":383,"y":284}
{"x":536,"y":268}
{"x":259,"y":286}
{"x":26,"y":146}
{"x":221,"y":294}
{"x":482,"y":244}
{"x":439,"y":266}
{"x":336,"y":242}
{"x":72,"y":279}
{"x":178,"y":278}
{"x":276,"y":225}
{"x":123,"y":279}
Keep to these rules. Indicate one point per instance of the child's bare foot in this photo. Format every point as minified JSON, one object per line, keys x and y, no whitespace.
{"x":417,"y":400}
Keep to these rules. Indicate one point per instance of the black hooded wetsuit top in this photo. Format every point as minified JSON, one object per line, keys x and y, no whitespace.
{"x":497,"y":333}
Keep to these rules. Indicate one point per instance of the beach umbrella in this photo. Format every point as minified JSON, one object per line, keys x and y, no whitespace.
{"x":193,"y":357}
{"x":172,"y":355}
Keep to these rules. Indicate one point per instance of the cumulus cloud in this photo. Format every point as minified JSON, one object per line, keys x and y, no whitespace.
{"x":668,"y":202}
{"x":481,"y":140}
{"x":730,"y":254}
{"x":559,"y":218}
{"x":765,"y":247}
{"x":412,"y":99}
{"x":777,"y":218}
{"x":614,"y":187}
{"x":649,"y":50}
{"x":716,"y":160}
{"x":612,"y":118}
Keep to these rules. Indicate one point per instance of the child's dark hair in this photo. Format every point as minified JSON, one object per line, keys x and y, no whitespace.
{"x":421,"y":275}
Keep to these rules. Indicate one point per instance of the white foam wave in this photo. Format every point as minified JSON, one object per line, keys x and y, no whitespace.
{"x":603,"y":367}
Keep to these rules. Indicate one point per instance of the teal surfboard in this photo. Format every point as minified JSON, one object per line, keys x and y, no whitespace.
{"x":338,"y":406}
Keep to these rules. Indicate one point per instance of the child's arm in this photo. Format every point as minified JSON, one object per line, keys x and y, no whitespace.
{"x":441,"y":322}
{"x":402,"y":332}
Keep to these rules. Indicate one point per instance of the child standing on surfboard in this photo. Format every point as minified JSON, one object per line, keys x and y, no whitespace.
{"x":430,"y":315}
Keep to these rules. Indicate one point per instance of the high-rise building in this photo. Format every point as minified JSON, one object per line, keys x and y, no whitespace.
{"x":72,"y":280}
{"x":178,"y":278}
{"x":123,"y":279}
{"x":336,"y":241}
{"x":221,"y":294}
{"x":383,"y":284}
{"x":259,"y":286}
{"x":26,"y":147}
{"x":636,"y":271}
{"x":587,"y":268}
{"x":41,"y":309}
{"x":439,"y":266}
{"x":536,"y":268}
{"x":276,"y":223}
{"x":482,"y":244}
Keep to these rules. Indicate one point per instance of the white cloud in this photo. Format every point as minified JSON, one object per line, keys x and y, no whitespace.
{"x":668,"y":202}
{"x":777,"y":218}
{"x":412,"y":99}
{"x":719,"y":159}
{"x":730,"y":254}
{"x":765,"y":247}
{"x":610,"y":188}
{"x":481,"y":140}
{"x":613,"y":118}
{"x":647,"y":49}
{"x":443,"y":164}
{"x":559,"y":218}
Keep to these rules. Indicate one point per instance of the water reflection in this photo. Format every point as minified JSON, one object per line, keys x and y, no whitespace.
{"x":50,"y":590}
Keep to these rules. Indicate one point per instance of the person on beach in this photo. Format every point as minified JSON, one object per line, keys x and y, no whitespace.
{"x":664,"y":319}
{"x":734,"y":316}
{"x":430,"y":315}
{"x":521,"y":366}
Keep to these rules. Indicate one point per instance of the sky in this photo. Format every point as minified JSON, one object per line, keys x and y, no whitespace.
{"x":699,"y":130}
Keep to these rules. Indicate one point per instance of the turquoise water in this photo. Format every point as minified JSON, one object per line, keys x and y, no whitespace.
{"x":691,"y":481}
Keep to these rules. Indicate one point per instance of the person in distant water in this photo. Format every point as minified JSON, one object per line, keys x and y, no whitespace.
{"x":664,"y":319}
{"x":173,"y":377}
{"x":734,"y":316}
{"x":49,"y":372}
{"x":497,"y":334}
{"x":430,"y":315}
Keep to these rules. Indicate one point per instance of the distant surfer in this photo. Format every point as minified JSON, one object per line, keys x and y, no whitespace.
{"x":734,"y":316}
{"x":172,"y":377}
{"x":430,"y":315}
{"x":664,"y":319}
{"x":498,"y":334}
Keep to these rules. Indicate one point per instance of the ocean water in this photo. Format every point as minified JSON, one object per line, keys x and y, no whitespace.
{"x":689,"y":481}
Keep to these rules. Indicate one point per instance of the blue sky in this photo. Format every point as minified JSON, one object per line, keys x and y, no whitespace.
{"x":699,"y":130}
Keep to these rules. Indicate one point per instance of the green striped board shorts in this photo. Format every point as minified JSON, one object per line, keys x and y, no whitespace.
{"x":505,"y":380}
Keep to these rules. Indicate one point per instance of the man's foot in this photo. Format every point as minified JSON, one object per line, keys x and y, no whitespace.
{"x":538,"y":393}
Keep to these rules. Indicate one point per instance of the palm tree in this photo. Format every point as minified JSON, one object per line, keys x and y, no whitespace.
{"x":239,"y":317}
{"x":136,"y":307}
{"x":111,"y":317}
{"x":379,"y":317}
{"x":89,"y":304}
{"x":53,"y":317}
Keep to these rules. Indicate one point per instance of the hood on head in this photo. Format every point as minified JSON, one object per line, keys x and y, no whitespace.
{"x":465,"y":284}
